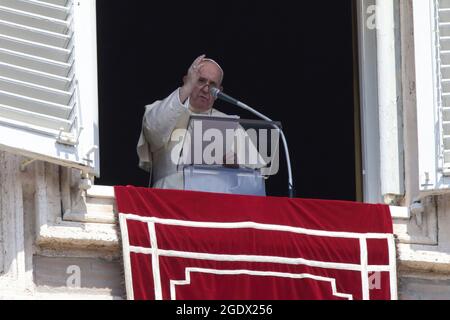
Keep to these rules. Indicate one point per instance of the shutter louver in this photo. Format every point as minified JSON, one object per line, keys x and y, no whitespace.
{"x":37,"y":87}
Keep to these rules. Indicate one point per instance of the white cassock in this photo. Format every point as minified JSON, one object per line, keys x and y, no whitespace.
{"x":156,"y":142}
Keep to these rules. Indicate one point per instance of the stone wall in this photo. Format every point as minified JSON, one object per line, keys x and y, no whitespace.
{"x":45,"y":255}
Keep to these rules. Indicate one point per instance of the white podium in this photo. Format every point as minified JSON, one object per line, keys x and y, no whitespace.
{"x":219,"y":179}
{"x":219,"y":138}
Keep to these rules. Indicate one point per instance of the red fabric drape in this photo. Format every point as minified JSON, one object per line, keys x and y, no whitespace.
{"x":191,"y":245}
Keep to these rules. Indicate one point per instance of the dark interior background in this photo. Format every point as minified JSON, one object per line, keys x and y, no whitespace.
{"x":290,"y":60}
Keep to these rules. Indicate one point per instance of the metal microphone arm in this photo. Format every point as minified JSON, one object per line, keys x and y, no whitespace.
{"x":218,"y":94}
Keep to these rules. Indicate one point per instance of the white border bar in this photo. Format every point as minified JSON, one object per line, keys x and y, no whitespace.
{"x":364,"y":271}
{"x":155,"y":261}
{"x":187,"y":281}
{"x":258,"y":226}
{"x":126,"y":256}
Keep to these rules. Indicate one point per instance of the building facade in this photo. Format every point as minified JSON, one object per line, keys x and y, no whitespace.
{"x":58,"y":232}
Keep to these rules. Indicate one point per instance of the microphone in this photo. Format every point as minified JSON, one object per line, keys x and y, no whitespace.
{"x":216,"y":93}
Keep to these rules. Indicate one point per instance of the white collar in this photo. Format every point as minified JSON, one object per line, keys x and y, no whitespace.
{"x":208,"y":112}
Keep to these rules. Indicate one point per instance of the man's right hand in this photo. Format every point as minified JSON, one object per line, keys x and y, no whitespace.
{"x":191,"y":79}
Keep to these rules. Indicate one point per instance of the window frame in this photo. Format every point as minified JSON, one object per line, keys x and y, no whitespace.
{"x":370,"y":136}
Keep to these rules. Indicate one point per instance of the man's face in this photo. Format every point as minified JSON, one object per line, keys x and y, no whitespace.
{"x":201,"y":98}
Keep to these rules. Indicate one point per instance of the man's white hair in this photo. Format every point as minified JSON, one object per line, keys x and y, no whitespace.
{"x":218,"y":66}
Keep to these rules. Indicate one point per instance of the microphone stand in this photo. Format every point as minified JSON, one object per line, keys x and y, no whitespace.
{"x":218,"y":94}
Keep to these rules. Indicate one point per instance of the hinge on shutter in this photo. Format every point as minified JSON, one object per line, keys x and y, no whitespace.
{"x":88,"y":154}
{"x":428,"y":182}
{"x":67,"y":138}
{"x":446,"y":170}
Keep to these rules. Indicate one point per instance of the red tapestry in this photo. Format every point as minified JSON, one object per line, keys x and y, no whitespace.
{"x":184,"y":245}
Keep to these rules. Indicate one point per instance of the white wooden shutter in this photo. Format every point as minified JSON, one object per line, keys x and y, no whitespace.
{"x":443,"y":74}
{"x":48,"y":81}
{"x":430,"y":56}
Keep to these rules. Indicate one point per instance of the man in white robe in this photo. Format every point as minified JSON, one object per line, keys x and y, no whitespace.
{"x":163,"y":118}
